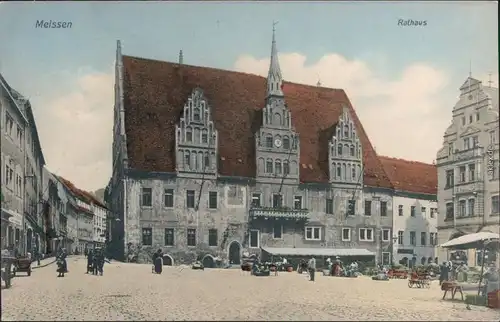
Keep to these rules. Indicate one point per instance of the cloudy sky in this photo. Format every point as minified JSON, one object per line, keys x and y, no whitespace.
{"x":403,"y":81}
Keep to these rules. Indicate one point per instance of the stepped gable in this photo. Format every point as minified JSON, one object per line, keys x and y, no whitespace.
{"x":156,"y":91}
{"x":411,"y":176}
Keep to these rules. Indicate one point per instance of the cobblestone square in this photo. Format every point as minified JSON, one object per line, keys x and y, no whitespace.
{"x":129,"y":292}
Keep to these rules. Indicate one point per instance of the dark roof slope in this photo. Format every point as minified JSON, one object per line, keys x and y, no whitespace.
{"x":81,"y":194}
{"x":411,"y":176}
{"x":155,"y":93}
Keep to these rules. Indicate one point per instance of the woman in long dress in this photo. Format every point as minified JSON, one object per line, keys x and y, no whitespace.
{"x":158,"y":261}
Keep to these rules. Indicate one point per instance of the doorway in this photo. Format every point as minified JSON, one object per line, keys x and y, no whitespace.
{"x":208,"y":261}
{"x":167,"y":260}
{"x":235,"y":253}
{"x":29,"y":237}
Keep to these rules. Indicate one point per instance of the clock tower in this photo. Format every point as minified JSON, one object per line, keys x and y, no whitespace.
{"x":277,"y":144}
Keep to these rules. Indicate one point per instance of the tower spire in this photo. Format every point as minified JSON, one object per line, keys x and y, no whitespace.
{"x":274,"y":78}
{"x":181,"y":57}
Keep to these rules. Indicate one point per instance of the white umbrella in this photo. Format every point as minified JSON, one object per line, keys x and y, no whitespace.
{"x":470,"y":241}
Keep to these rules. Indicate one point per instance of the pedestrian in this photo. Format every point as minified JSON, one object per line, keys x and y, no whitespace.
{"x":90,"y":261}
{"x":158,"y":261}
{"x":443,"y":273}
{"x":312,"y":268}
{"x":62,"y":266}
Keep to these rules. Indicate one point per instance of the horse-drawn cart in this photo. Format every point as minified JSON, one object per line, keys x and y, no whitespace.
{"x":22,"y":264}
{"x":7,"y":274}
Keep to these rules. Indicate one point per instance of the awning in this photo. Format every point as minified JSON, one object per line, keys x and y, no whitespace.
{"x":318,"y":251}
{"x":470,"y":241}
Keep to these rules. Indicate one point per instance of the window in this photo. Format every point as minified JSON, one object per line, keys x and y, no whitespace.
{"x":353,"y":173}
{"x":471,"y":204}
{"x":472,"y":172}
{"x":366,"y":234}
{"x":466,"y":144}
{"x":449,"y":179}
{"x":346,"y":131}
{"x":477,"y":117}
{"x":383,"y":208}
{"x":351,"y":207}
{"x":189,"y":135}
{"x":423,"y":238}
{"x":190,"y":199}
{"x":450,"y":149}
{"x":493,"y":137}
{"x":169,"y":237}
{"x":313,"y":233}
{"x":269,"y":141}
{"x":352,"y":150}
{"x":19,"y":136}
{"x":412,"y":211}
{"x":495,"y":206}
{"x":297,"y":202}
{"x":286,"y":143}
{"x":254,"y":238}
{"x":368,"y":208}
{"x":168,"y":198}
{"x":386,"y":235}
{"x":277,"y":230}
{"x":286,"y":168}
{"x":207,"y":161}
{"x":462,"y":208}
{"x":212,"y":200}
{"x":339,"y":172}
{"x":269,"y":166}
{"x":191,"y":237}
{"x":413,"y":238}
{"x":463,"y":120}
{"x":9,"y":124}
{"x":329,"y":206}
{"x":9,"y":174}
{"x":432,"y":239}
{"x":346,"y":234}
{"x":256,"y":200}
{"x":147,"y":236}
{"x":400,"y":210}
{"x":386,"y":258}
{"x":422,"y":211}
{"x":400,"y":237}
{"x":196,"y":114}
{"x":204,"y":136}
{"x":277,"y":201}
{"x":146,"y":198}
{"x":339,"y":149}
{"x":470,"y":118}
{"x":462,"y":173}
{"x":212,"y":237}
{"x":450,"y":212}
{"x":187,"y":159}
{"x":277,"y":167}
{"x":433,"y":212}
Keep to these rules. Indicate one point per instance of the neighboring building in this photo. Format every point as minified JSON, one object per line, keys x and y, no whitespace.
{"x":55,"y":201}
{"x":468,"y":187}
{"x":33,"y":201}
{"x":13,"y":124}
{"x":218,"y":163}
{"x":414,"y":236}
{"x":99,"y":224}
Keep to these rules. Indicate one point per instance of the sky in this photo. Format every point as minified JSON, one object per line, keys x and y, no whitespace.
{"x":402,"y":80}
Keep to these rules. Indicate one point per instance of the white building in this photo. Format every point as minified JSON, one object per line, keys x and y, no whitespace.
{"x":100,"y":215}
{"x":414,"y":211}
{"x":468,"y":187}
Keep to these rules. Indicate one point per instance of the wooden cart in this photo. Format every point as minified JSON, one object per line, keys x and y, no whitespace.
{"x":22,"y":264}
{"x":419,"y":280}
{"x":7,"y":274}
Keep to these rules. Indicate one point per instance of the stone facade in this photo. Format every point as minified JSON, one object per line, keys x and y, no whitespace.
{"x":196,"y":212}
{"x":468,"y":193}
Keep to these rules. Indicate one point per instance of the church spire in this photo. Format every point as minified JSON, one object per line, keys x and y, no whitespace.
{"x":274,"y":78}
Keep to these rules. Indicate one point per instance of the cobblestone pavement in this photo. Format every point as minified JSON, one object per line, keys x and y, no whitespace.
{"x":129,"y":292}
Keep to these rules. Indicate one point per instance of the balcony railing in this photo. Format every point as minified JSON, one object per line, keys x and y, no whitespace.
{"x":468,"y":187}
{"x":282,"y":212}
{"x":468,"y":154}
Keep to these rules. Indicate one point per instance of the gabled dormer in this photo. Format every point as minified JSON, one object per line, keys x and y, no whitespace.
{"x":196,"y":138}
{"x":345,"y":152}
{"x":276,"y":143}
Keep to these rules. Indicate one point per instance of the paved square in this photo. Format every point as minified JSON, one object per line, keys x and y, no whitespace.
{"x":129,"y":292}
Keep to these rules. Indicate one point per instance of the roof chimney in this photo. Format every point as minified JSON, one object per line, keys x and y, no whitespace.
{"x":181,"y":57}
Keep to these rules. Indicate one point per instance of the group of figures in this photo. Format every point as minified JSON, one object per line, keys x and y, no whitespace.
{"x":62,"y":264}
{"x":95,"y":261}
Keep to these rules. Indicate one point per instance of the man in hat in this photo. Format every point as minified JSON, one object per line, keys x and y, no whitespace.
{"x":312,"y":268}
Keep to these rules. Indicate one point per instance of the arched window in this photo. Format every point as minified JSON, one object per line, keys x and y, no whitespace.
{"x":204,"y":136}
{"x":353,"y":173}
{"x":269,"y":141}
{"x":207,"y":161}
{"x":277,"y":167}
{"x":195,"y":161}
{"x":189,"y":134}
{"x":334,"y":168}
{"x":352,"y":150}
{"x":346,"y":131}
{"x":196,"y":114}
{"x":286,"y":168}
{"x":339,"y":172}
{"x":187,"y":159}
{"x":269,"y":166}
{"x":344,"y":172}
{"x":286,"y":143}
{"x":339,"y":149}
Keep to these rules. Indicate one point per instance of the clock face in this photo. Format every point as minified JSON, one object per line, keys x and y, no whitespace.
{"x":277,"y":142}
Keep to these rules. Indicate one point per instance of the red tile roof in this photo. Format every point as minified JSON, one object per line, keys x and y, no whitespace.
{"x":411,"y":176}
{"x":81,"y":194}
{"x":155,"y":93}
